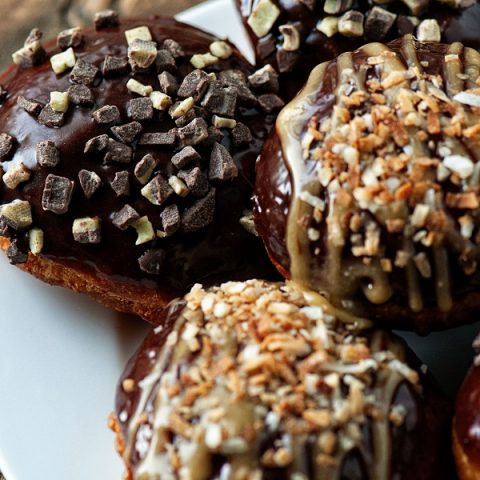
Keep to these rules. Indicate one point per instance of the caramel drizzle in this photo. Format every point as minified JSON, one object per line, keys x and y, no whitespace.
{"x":340,"y":277}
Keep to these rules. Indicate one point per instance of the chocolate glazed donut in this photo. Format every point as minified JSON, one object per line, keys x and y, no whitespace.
{"x":466,"y":423}
{"x":258,"y":380}
{"x":296,"y":35}
{"x":368,"y":188}
{"x":129,"y":195}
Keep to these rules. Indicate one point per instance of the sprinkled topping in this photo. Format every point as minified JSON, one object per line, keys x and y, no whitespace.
{"x":57,"y":194}
{"x":32,"y":52}
{"x":63,"y":61}
{"x":16,"y":214}
{"x":141,"y":54}
{"x":7,"y":143}
{"x":125,"y":218}
{"x":87,"y":230}
{"x":145,"y":232}
{"x":80,"y":95}
{"x":260,"y":359}
{"x":395,"y":163}
{"x":47,"y":154}
{"x":17,"y":174}
{"x":89,"y":181}
{"x":263,"y":16}
{"x":106,"y":19}
{"x":73,"y":37}
{"x":144,"y":168}
{"x":32,"y":107}
{"x":84,"y":73}
{"x":128,"y":132}
{"x":121,"y":183}
{"x":139,"y":33}
{"x":59,"y":101}
{"x":107,"y":115}
{"x":36,"y":240}
{"x":152,"y":260}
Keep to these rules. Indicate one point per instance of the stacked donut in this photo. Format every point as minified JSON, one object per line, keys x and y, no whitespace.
{"x":128,"y":168}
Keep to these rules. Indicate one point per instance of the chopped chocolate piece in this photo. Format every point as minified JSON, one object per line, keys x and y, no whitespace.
{"x":158,"y":138}
{"x":214,"y":135}
{"x":5,"y":229}
{"x":270,"y":102}
{"x":128,"y":132}
{"x":121,"y":183}
{"x":286,"y":61}
{"x":87,"y":230}
{"x":96,"y":144}
{"x":30,"y":106}
{"x":404,"y":25}
{"x":222,"y":167}
{"x":173,"y":47}
{"x":219,"y":100}
{"x":168,"y":84}
{"x":185,"y":157}
{"x":170,"y":219}
{"x":16,"y":175}
{"x":145,"y":167}
{"x":165,"y":62}
{"x":157,"y":190}
{"x":57,"y":194}
{"x":125,"y":217}
{"x":3,"y":93}
{"x":378,"y":23}
{"x":107,"y":115}
{"x":80,"y":95}
{"x":194,"y":133}
{"x":350,"y":24}
{"x":310,"y":4}
{"x":106,"y":19}
{"x":140,"y":109}
{"x":238,"y":80}
{"x":73,"y":37}
{"x":47,"y":154}
{"x":7,"y":143}
{"x":266,"y":46}
{"x":17,"y":214}
{"x":152,"y":260}
{"x":63,"y":61}
{"x":114,"y":66}
{"x":195,"y":180}
{"x":200,"y":214}
{"x":15,"y":254}
{"x":83,"y":72}
{"x":50,"y":118}
{"x":241,"y":135}
{"x":265,"y":80}
{"x":29,"y":55}
{"x":142,"y":54}
{"x":34,"y":36}
{"x":89,"y":181}
{"x":118,"y":152}
{"x":194,"y":85}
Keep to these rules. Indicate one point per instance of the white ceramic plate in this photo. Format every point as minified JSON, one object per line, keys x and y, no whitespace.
{"x":61,"y":356}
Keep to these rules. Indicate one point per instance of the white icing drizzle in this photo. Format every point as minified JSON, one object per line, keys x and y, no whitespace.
{"x":340,"y":275}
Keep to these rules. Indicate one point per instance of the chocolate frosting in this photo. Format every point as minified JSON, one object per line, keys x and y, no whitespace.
{"x":274,"y":198}
{"x":457,"y":25}
{"x":223,"y":249}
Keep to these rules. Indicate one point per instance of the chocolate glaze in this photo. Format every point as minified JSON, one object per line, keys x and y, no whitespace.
{"x":222,"y":250}
{"x":273,"y":196}
{"x":420,"y":446}
{"x":467,"y":416}
{"x":456,"y":25}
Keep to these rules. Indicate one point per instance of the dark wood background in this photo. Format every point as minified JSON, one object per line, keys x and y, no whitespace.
{"x":20,"y":16}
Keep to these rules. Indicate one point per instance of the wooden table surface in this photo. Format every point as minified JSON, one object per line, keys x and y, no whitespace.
{"x":51,"y":16}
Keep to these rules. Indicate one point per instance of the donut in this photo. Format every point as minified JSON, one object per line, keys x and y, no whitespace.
{"x":466,"y":440}
{"x":127,"y":153}
{"x":367,"y":189}
{"x":293,"y":36}
{"x":262,"y":380}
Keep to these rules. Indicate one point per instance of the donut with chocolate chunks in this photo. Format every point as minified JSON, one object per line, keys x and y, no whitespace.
{"x":466,"y":422}
{"x":293,"y":36}
{"x":260,"y":380}
{"x":368,"y":190}
{"x":128,"y":161}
